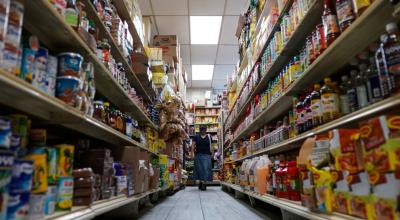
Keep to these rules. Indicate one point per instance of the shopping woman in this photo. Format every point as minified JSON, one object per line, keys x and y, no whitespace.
{"x":202,"y":158}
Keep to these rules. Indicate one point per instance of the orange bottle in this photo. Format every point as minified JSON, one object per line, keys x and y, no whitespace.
{"x":262,"y":173}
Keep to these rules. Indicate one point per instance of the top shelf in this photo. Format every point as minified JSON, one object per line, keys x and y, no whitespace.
{"x":67,"y":39}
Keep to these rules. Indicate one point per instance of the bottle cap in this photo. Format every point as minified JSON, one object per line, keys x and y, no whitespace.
{"x":391,"y":27}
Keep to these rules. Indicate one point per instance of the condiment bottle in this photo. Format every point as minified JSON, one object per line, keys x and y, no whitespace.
{"x":360,"y":6}
{"x":300,"y":117}
{"x":344,"y":98}
{"x":352,"y":91}
{"x":392,"y":53}
{"x":119,"y":122}
{"x":71,"y":14}
{"x":113,"y":118}
{"x":345,"y":13}
{"x":98,"y":111}
{"x":361,"y":86}
{"x":329,"y":20}
{"x":106,"y":117}
{"x":316,"y":106}
{"x":308,"y":124}
{"x":381,"y":65}
{"x":293,"y":181}
{"x":329,"y":101}
{"x":321,"y":38}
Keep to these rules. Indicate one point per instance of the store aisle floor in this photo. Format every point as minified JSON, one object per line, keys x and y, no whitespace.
{"x":193,"y":204}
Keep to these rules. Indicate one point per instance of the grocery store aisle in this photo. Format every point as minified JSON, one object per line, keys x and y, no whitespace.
{"x":212,"y":204}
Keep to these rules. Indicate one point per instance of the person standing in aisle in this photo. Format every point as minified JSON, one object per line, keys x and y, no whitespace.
{"x":202,"y":159}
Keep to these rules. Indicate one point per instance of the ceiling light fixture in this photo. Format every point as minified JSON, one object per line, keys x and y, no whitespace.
{"x":205,"y":29}
{"x":202,"y":72}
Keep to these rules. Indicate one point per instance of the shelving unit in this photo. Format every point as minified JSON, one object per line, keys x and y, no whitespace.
{"x":335,"y":56}
{"x":290,"y":206}
{"x":69,"y":40}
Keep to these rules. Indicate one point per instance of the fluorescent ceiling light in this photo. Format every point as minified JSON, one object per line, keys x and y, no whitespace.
{"x":205,"y":29}
{"x":202,"y":72}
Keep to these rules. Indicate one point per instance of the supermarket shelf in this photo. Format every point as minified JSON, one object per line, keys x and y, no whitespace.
{"x":305,"y":27}
{"x":115,"y":49}
{"x":98,"y":208}
{"x":347,"y":45}
{"x":125,"y":14}
{"x":69,"y":40}
{"x":372,"y":110}
{"x":21,"y":95}
{"x":270,"y":36}
{"x":291,"y":206}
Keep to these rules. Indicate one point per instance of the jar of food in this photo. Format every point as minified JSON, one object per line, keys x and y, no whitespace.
{"x":98,"y":110}
{"x":113,"y":118}
{"x":310,"y":49}
{"x":119,"y":123}
{"x":106,"y":116}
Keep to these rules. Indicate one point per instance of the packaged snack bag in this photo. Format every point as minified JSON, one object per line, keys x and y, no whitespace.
{"x":323,"y":189}
{"x":341,"y":192}
{"x":386,"y":195}
{"x":360,"y":198}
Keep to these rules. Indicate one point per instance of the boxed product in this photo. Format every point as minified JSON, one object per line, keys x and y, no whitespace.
{"x":65,"y":159}
{"x":50,"y":200}
{"x":37,"y":206}
{"x":65,"y":188}
{"x":165,"y":40}
{"x":18,"y":205}
{"x":39,"y":179}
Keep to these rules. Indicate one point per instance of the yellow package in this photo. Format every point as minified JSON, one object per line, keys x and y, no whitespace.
{"x":39,"y":179}
{"x":65,"y":159}
{"x":323,"y":189}
{"x":360,"y":198}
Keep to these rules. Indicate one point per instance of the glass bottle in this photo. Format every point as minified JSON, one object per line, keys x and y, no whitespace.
{"x":329,"y":101}
{"x":300,"y":116}
{"x":345,"y":13}
{"x":329,"y":20}
{"x":113,"y":118}
{"x":106,"y":117}
{"x":316,"y":106}
{"x":71,"y":14}
{"x":392,"y":53}
{"x":308,"y":122}
{"x":343,"y":96}
{"x":98,"y":111}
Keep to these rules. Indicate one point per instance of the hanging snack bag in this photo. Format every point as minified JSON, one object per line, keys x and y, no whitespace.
{"x":65,"y":159}
{"x":39,"y":179}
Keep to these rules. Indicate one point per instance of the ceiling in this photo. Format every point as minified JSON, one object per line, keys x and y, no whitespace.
{"x":172,"y":17}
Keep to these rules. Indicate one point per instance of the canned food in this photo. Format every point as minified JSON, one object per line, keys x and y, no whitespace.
{"x":67,"y":89}
{"x":69,"y":64}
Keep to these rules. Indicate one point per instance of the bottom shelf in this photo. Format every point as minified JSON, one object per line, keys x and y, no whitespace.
{"x":291,"y":206}
{"x":99,"y":207}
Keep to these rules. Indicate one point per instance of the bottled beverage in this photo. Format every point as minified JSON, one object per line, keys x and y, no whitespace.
{"x":300,"y":116}
{"x":373,"y":82}
{"x":316,"y":106}
{"x":352,"y":91}
{"x":381,"y":65}
{"x":345,"y":13}
{"x":71,"y":14}
{"x":308,"y":122}
{"x":329,"y":20}
{"x":329,"y":102}
{"x":392,"y":53}
{"x":361,"y":87}
{"x":344,"y":99}
{"x":293,"y":181}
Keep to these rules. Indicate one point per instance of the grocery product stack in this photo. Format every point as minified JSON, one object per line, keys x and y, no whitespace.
{"x":312,"y":108}
{"x":80,"y":118}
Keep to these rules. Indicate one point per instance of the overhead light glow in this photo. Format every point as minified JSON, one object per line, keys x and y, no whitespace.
{"x":202,"y":72}
{"x":205,"y":29}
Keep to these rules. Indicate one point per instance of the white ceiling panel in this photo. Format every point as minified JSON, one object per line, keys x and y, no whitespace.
{"x":145,"y":7}
{"x":203,"y":54}
{"x":175,"y":25}
{"x":206,"y":7}
{"x":229,"y":24}
{"x":235,"y":7}
{"x":201,"y":83}
{"x":219,"y":84}
{"x":185,"y":54}
{"x":222,"y":71}
{"x":188,"y":69}
{"x":170,"y":7}
{"x":227,"y":54}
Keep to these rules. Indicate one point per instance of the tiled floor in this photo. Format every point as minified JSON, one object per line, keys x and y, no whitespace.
{"x":192,"y":204}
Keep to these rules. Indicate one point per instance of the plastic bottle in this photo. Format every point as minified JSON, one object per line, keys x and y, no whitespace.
{"x":345,"y":13}
{"x":316,"y":106}
{"x":329,"y":101}
{"x":381,"y":65}
{"x":373,"y":82}
{"x":352,"y":91}
{"x":329,"y":20}
{"x":293,"y":181}
{"x":308,"y":122}
{"x":344,"y":98}
{"x":361,"y":87}
{"x":252,"y":173}
{"x":262,"y":173}
{"x":392,"y":53}
{"x":300,"y":115}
